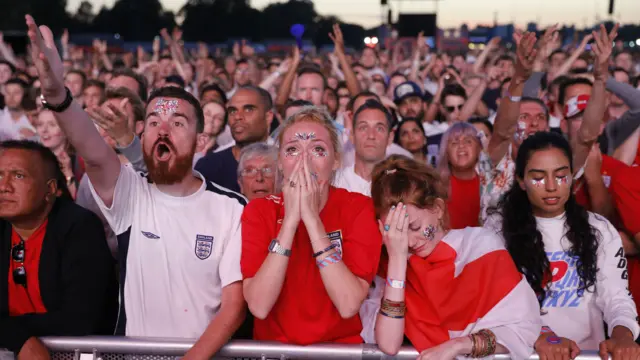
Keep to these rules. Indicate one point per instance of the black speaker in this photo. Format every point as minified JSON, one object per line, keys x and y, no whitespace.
{"x":389,"y":17}
{"x":611,"y":7}
{"x":383,"y":2}
{"x":409,"y":25}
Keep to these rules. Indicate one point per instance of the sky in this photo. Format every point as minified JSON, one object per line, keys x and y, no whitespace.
{"x":452,"y":13}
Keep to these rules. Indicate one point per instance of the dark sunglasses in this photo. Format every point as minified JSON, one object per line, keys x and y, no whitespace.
{"x":17,"y":255}
{"x":451,"y":109}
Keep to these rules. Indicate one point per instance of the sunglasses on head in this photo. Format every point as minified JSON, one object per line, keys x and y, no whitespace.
{"x":17,"y":255}
{"x":453,"y":108}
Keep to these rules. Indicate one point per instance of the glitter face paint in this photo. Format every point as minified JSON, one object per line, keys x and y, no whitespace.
{"x":538,"y":182}
{"x":429,"y":232}
{"x":291,"y":152}
{"x":304,"y":136}
{"x":166,"y":107}
{"x":563,"y":180}
{"x":520,"y":132}
{"x":319,"y":152}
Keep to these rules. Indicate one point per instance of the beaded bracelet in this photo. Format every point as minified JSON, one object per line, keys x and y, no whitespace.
{"x":396,"y":284}
{"x":491,"y":341}
{"x":393,"y":309}
{"x":331,"y":259}
{"x":484,"y":344}
{"x":333,"y":246}
{"x":384,"y":313}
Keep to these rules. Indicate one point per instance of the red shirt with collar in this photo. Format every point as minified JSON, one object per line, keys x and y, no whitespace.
{"x":304,"y":314}
{"x":464,"y":202}
{"x":26,"y":299}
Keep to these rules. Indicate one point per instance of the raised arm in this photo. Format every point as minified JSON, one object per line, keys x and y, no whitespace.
{"x":491,"y":45}
{"x":594,"y":113}
{"x":415,"y":63}
{"x":566,"y":66}
{"x":474,"y":100}
{"x":6,"y":51}
{"x":102,"y":164}
{"x":509,"y":110}
{"x":349,"y":76}
{"x":268,"y":82}
{"x":287,"y":83}
{"x":545,"y":47}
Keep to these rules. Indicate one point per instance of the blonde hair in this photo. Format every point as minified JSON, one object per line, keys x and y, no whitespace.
{"x":317,"y":115}
{"x":456,"y":130}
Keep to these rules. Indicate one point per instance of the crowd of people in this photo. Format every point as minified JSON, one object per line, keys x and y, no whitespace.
{"x":466,"y":204}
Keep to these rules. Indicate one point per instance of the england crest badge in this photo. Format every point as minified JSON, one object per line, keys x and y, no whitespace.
{"x":204,"y":246}
{"x":336,"y":239}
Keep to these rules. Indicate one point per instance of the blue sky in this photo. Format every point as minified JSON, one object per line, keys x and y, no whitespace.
{"x":455,"y":12}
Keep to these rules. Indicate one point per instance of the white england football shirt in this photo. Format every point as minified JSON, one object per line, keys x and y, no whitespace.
{"x":176,"y":254}
{"x":347,"y":178}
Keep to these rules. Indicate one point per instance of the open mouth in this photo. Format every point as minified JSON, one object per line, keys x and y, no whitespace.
{"x":551,"y":200}
{"x":163,"y":152}
{"x":261,"y":191}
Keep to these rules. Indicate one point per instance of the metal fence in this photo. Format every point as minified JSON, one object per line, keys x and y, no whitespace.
{"x":128,"y":348}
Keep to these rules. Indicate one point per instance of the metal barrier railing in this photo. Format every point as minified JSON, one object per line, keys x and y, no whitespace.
{"x":129,"y":348}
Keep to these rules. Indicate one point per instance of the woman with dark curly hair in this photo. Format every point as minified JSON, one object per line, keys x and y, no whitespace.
{"x":573,"y":259}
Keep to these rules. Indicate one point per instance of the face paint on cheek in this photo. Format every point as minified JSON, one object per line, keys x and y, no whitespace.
{"x":520,"y":132}
{"x":429,"y":232}
{"x":319,"y":153}
{"x":291,"y":152}
{"x":538,"y":182}
{"x":563,"y":180}
{"x":166,"y":107}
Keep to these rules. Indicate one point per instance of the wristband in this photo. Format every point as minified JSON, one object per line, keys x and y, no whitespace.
{"x":554,"y":340}
{"x":331,"y":259}
{"x":333,"y":246}
{"x":396,"y":284}
{"x":545,"y":330}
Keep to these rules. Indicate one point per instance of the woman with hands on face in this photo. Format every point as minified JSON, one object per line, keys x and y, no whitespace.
{"x":309,"y":254}
{"x":451,"y":292}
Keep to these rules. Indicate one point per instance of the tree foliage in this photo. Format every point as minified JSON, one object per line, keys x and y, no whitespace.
{"x":203,"y":20}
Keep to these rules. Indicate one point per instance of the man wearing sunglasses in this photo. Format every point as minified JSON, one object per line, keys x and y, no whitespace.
{"x":56,"y":272}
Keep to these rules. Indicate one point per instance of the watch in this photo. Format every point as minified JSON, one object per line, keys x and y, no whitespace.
{"x":61,"y":107}
{"x":276,"y":248}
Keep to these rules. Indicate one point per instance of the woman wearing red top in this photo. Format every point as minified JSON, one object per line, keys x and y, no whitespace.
{"x":459,"y":155}
{"x":451,"y":292}
{"x":309,"y":255}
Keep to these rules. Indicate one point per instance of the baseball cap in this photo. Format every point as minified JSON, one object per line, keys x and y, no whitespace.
{"x":405,"y":90}
{"x":576,"y":105}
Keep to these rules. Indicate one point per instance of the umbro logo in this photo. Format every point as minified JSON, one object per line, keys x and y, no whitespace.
{"x":150,"y":235}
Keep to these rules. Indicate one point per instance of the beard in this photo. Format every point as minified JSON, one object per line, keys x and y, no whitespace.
{"x":168,"y":172}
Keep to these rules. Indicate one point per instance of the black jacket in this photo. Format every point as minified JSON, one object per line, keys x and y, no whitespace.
{"x":77,"y":280}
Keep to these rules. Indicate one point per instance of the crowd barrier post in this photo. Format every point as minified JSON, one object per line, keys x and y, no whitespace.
{"x":131,"y":348}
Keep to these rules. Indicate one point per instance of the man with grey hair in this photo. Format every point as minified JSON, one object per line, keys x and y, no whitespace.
{"x":257,"y":171}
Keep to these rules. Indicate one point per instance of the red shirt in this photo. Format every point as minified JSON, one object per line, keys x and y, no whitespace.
{"x":636,"y":161}
{"x":26,"y":299}
{"x":464,"y":202}
{"x":625,"y":192}
{"x":610,"y":170}
{"x":304,"y":314}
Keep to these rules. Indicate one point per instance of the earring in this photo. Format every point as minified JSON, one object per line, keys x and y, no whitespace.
{"x":429,"y":232}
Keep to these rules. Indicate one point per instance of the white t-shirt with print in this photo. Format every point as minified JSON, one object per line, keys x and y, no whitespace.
{"x":175,"y":254}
